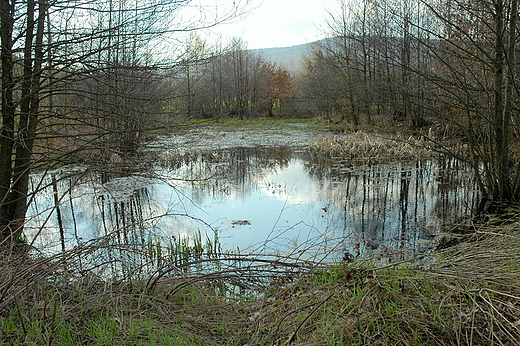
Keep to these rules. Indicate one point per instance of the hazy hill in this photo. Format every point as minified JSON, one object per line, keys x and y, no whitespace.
{"x":290,"y":58}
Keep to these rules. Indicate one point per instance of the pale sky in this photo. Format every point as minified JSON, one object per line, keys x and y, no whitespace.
{"x":279,"y":23}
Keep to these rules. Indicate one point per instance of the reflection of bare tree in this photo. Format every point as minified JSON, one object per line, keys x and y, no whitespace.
{"x":125,"y":216}
{"x":396,"y":203}
{"x":126,"y":228}
{"x":453,"y":201}
{"x":219,"y":172}
{"x":381,"y":205}
{"x":118,"y":211}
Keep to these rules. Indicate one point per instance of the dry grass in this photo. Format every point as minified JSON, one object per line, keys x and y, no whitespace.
{"x":365,"y":146}
{"x":467,"y":294}
{"x":86,"y":296}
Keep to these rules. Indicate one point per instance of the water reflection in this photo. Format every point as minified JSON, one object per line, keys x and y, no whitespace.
{"x":262,"y":200}
{"x":399,"y":205}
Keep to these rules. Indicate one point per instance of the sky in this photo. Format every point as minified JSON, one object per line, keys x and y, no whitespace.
{"x":279,"y":23}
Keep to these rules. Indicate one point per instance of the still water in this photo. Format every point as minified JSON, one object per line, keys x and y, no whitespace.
{"x":258,"y":200}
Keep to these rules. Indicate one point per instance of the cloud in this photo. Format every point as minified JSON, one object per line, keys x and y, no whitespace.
{"x":278,"y":23}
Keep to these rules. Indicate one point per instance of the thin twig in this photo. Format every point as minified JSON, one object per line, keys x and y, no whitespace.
{"x":293,"y":336}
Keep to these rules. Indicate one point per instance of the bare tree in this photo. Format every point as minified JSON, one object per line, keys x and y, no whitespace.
{"x":476,"y":79}
{"x":79,"y":75}
{"x":231,"y":81}
{"x":431,"y":61}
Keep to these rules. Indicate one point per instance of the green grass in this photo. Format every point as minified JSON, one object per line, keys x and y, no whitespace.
{"x":350,"y":305}
{"x":470,"y":297}
{"x":260,"y":123}
{"x":332,"y":306}
{"x":108,"y":323}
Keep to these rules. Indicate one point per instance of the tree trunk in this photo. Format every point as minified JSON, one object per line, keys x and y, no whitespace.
{"x":28,"y":123}
{"x":8,"y":116}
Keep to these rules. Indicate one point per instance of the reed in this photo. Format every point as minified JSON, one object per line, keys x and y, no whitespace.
{"x":364,"y":146}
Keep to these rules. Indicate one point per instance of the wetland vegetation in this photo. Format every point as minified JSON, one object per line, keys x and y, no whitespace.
{"x":126,"y":287}
{"x":207,"y":196}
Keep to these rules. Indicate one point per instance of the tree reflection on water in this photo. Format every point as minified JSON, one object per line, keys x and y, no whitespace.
{"x":264,"y":200}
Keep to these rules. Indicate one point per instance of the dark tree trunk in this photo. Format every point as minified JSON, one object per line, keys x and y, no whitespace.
{"x":16,"y":143}
{"x":28,"y":120}
{"x":8,"y":116}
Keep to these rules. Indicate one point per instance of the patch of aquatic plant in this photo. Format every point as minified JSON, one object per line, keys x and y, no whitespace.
{"x":365,"y":146}
{"x":184,"y":249}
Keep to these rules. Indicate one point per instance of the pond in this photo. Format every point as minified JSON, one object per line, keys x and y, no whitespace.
{"x":257,"y":199}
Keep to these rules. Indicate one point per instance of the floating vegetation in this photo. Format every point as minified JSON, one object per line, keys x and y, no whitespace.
{"x":241,"y":222}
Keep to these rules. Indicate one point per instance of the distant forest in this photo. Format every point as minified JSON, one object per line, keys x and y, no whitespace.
{"x":425,"y":65}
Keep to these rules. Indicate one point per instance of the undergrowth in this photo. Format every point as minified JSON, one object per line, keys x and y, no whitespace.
{"x":467,"y":294}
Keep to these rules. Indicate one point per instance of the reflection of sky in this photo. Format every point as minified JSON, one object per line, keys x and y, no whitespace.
{"x":291,"y":184}
{"x":282,"y":206}
{"x":263,"y":209}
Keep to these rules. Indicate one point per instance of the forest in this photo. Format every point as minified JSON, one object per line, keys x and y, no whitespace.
{"x":91,"y":82}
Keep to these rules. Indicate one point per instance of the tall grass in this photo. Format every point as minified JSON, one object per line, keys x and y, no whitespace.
{"x":365,"y":146}
{"x":184,"y":249}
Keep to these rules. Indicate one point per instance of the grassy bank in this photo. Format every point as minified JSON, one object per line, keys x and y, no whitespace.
{"x":263,"y":123}
{"x":467,"y":294}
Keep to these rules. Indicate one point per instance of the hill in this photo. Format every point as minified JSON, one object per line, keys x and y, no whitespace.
{"x":290,"y":58}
